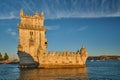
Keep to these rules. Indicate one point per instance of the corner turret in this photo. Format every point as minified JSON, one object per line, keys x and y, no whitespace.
{"x":84,"y":54}
{"x":21,"y":13}
{"x":42,"y":16}
{"x":83,"y":51}
{"x":83,"y":46}
{"x":36,"y":14}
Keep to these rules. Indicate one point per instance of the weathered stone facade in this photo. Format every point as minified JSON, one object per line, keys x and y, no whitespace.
{"x":33,"y":43}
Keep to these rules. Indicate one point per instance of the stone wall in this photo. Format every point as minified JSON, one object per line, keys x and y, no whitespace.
{"x":62,"y":58}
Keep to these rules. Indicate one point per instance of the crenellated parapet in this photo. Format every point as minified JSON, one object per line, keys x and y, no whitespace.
{"x":63,"y":54}
{"x":32,"y":22}
{"x":64,"y":58}
{"x":31,"y":27}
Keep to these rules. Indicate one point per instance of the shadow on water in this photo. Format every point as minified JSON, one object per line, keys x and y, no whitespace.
{"x":53,"y":74}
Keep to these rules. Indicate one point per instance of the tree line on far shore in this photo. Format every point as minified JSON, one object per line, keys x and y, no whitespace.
{"x":4,"y":57}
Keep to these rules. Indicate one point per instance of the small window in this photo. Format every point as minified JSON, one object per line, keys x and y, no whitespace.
{"x":31,"y":33}
{"x":45,"y":42}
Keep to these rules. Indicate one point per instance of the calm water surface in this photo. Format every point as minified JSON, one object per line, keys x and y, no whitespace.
{"x":96,"y":70}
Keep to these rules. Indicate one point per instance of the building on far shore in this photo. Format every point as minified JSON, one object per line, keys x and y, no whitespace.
{"x":33,"y":43}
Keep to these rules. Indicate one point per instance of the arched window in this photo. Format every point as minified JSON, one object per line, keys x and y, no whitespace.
{"x":31,"y":33}
{"x":45,"y":42}
{"x":31,"y":41}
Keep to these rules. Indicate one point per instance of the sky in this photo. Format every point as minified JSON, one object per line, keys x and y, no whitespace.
{"x":69,"y":23}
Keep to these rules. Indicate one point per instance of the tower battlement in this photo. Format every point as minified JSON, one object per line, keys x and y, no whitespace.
{"x":35,"y":22}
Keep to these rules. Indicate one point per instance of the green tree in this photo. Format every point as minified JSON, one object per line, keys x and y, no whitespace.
{"x":1,"y":56}
{"x":6,"y":57}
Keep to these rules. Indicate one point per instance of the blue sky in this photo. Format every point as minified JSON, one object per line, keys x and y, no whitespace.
{"x":69,"y":23}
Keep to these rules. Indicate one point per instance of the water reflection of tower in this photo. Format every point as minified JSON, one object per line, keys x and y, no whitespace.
{"x":53,"y":74}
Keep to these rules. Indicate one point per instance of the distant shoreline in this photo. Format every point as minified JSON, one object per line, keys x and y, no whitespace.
{"x":8,"y":62}
{"x":103,"y":57}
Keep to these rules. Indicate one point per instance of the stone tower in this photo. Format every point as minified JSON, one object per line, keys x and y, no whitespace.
{"x":32,"y":34}
{"x":33,"y":43}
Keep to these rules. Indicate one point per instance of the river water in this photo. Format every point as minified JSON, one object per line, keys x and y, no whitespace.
{"x":95,"y":70}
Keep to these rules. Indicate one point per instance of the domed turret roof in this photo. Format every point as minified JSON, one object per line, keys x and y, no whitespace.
{"x":36,"y":14}
{"x":42,"y":13}
{"x":83,"y":49}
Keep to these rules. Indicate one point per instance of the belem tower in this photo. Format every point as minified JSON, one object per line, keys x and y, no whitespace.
{"x":33,"y":43}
